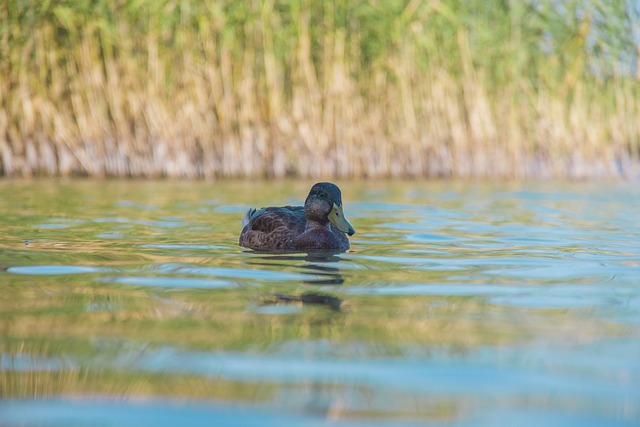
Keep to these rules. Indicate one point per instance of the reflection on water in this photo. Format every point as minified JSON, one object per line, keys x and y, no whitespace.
{"x":459,"y":303}
{"x":317,"y":266}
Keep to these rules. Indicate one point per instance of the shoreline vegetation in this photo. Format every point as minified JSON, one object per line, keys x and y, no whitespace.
{"x":275,"y":88}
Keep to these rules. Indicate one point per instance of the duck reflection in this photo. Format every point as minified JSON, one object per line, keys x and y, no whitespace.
{"x":317,"y":266}
{"x":307,"y":298}
{"x":314,"y":266}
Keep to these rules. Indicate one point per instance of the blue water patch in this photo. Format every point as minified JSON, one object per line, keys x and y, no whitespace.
{"x":231,"y":209}
{"x":567,"y":296}
{"x":170,"y":413}
{"x":60,"y":223}
{"x":22,"y":362}
{"x":551,"y":296}
{"x":563,"y":269}
{"x":432,"y":237}
{"x":168,"y":282}
{"x":436,"y":289}
{"x":407,"y":261}
{"x":238,"y":273}
{"x":278,"y":309}
{"x":397,"y":225}
{"x":154,"y":412}
{"x":57,"y":269}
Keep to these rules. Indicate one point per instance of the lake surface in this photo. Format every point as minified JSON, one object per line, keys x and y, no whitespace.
{"x":130,"y":303}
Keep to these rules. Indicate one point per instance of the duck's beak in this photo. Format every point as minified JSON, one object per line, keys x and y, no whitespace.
{"x":336,"y":216}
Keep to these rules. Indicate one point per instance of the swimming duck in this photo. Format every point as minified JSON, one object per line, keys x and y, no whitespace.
{"x":318,"y":225}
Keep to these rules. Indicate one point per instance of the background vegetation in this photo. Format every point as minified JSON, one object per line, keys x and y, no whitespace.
{"x":272,"y":88}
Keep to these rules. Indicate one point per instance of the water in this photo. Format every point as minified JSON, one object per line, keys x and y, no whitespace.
{"x":459,"y":304}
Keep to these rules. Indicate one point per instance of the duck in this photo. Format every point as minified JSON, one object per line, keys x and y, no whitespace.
{"x":319,"y":225}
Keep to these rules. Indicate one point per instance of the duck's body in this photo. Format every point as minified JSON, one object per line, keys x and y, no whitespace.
{"x":318,"y":225}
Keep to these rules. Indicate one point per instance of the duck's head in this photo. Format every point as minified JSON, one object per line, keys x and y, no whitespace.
{"x":324,"y":203}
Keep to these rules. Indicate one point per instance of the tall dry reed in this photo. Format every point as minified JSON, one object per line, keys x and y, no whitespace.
{"x":275,"y":88}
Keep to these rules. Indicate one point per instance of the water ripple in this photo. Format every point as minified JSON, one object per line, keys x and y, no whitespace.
{"x":56,"y":269}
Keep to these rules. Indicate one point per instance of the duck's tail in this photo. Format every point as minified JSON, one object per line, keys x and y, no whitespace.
{"x":247,"y":217}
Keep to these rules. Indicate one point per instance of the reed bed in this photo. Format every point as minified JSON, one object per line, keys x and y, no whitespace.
{"x":275,"y":88}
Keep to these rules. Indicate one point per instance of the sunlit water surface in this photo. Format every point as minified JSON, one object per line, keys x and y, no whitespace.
{"x":466,"y":304}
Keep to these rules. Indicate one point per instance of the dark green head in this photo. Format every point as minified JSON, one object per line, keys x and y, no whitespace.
{"x":324,"y":203}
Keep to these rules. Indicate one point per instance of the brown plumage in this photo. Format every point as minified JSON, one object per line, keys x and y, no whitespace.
{"x":318,"y":225}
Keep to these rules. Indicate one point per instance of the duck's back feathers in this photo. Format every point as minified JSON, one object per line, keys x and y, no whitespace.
{"x":272,"y":228}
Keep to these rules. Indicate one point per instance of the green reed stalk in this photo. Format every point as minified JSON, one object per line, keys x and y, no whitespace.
{"x":276,"y":88}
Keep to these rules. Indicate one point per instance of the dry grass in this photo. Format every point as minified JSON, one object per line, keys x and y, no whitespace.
{"x":278,"y":88}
